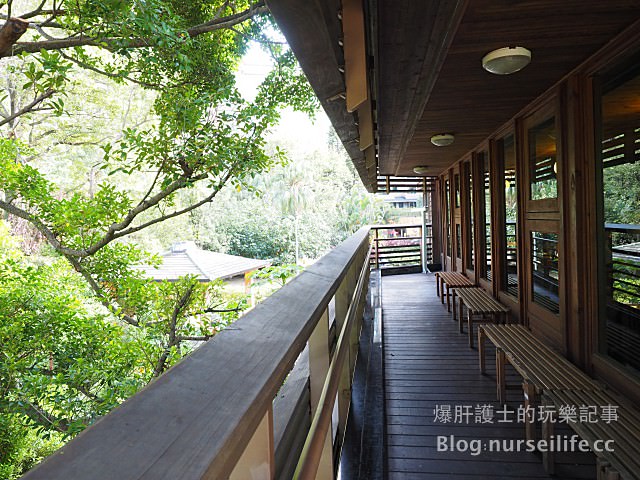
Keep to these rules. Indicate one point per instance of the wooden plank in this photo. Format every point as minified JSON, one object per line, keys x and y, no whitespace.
{"x":428,"y":364}
{"x":355,"y":55}
{"x":365,"y":127}
{"x":196,"y":419}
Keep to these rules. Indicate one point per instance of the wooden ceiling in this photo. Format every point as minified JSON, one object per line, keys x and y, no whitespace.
{"x":472,"y":103}
{"x":425,"y":73}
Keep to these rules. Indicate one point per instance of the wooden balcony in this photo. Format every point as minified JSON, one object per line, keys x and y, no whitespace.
{"x":428,"y":364}
{"x":270,"y":397}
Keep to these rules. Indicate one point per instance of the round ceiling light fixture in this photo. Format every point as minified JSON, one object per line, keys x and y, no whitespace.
{"x":504,"y":61}
{"x":442,"y":139}
{"x":421,"y":169}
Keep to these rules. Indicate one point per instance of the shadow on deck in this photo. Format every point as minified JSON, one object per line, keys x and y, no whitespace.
{"x":428,"y":364}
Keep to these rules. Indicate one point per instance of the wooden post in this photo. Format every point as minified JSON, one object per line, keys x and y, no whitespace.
{"x":481,"y":351}
{"x":258,"y":460}
{"x":354,"y":334}
{"x":318,"y":369}
{"x":530,"y":402}
{"x":376,"y":247}
{"x":500,"y":376}
{"x":422,"y":246}
{"x":548,"y":457}
{"x":342,"y":299}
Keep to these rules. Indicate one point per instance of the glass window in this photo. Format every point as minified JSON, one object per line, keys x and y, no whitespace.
{"x":544,"y":270}
{"x":543,"y":168}
{"x":469,"y":183}
{"x":447,"y":209}
{"x":619,"y":239}
{"x":458,"y":241}
{"x":457,"y":190}
{"x":507,"y":152}
{"x":487,"y":215}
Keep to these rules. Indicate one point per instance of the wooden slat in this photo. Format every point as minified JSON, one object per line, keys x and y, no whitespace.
{"x":625,"y":431}
{"x":534,"y":360}
{"x":365,"y":128}
{"x":468,"y":105}
{"x":427,"y":363}
{"x":195,"y":420}
{"x":355,"y":54}
{"x":478,"y":301}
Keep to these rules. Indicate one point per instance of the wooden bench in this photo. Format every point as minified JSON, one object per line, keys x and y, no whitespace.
{"x":620,"y":458}
{"x":452,"y":280}
{"x":540,"y":367}
{"x":478,"y":302}
{"x":552,"y":379}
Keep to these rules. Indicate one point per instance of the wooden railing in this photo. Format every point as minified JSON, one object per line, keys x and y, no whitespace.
{"x":624,"y":264}
{"x":393,"y":247}
{"x":239,"y":406}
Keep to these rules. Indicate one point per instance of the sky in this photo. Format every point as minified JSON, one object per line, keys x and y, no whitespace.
{"x":307,"y":135}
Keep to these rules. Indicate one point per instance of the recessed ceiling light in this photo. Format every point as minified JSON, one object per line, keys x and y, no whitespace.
{"x":442,"y":139}
{"x":504,"y":61}
{"x":421,"y":170}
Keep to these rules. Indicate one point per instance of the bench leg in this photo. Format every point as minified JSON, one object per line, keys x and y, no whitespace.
{"x":548,"y":457}
{"x":454,"y":305}
{"x":481,"y":358}
{"x":442,"y":291}
{"x":461,"y":316}
{"x":470,"y":326}
{"x":438,"y":285}
{"x":605,"y":471}
{"x":448,"y":299}
{"x":500,"y":376}
{"x":531,"y":401}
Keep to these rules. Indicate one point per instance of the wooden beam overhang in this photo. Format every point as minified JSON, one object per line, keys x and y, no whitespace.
{"x":313,"y":30}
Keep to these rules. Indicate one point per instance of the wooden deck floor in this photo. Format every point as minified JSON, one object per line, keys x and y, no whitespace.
{"x":428,"y":363}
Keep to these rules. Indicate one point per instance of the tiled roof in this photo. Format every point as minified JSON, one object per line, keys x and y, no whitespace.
{"x":185,"y":258}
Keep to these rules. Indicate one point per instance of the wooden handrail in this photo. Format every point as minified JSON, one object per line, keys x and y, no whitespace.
{"x":312,"y":451}
{"x":196,"y":420}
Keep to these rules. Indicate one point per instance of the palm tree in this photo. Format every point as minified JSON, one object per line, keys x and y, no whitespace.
{"x":292,"y":192}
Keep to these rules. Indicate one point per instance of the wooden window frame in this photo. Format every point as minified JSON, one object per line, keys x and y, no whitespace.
{"x":551,"y":108}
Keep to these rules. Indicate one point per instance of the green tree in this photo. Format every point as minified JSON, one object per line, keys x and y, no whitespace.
{"x":203,"y":133}
{"x":291,"y":189}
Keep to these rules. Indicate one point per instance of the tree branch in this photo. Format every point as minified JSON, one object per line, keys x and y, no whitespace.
{"x":39,"y":415}
{"x":174,"y":340}
{"x":202,"y":338}
{"x":176,"y":213}
{"x":99,"y":291}
{"x":111,"y":75}
{"x":28,"y":108}
{"x":10,"y":33}
{"x":14,"y":47}
{"x":226,"y":22}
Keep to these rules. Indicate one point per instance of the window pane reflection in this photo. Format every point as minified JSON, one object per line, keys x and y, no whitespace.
{"x":544,"y":270}
{"x":542,"y":160}
{"x":510,"y":259}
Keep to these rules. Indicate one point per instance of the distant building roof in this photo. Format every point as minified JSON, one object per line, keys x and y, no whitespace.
{"x":185,"y":258}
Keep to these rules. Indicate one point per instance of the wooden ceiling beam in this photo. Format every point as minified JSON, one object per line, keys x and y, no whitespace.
{"x":413,"y":44}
